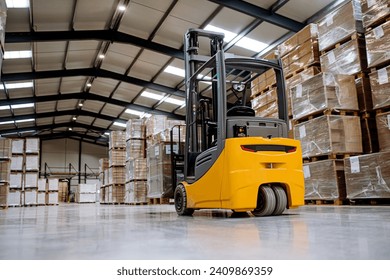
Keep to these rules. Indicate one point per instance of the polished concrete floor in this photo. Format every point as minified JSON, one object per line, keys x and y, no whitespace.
{"x":93,"y":231}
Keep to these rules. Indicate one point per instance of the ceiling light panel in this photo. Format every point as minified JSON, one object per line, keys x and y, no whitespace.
{"x":17,"y":3}
{"x":17,"y":54}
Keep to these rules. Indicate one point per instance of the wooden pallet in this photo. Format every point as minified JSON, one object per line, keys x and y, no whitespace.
{"x":370,"y":201}
{"x":326,"y":112}
{"x":329,"y":156}
{"x":378,"y":22}
{"x":326,"y":201}
{"x":136,"y":203}
{"x":263,"y":91}
{"x":158,"y":201}
{"x":346,"y":39}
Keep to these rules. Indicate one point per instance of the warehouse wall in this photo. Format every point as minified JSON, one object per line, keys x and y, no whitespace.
{"x":60,"y":152}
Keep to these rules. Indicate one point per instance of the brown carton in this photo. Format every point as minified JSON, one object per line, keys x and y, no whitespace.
{"x":305,"y":34}
{"x":383,"y":126}
{"x":347,"y":59}
{"x":324,"y":180}
{"x":374,"y":10}
{"x":363,"y":89}
{"x":136,"y":192}
{"x":378,"y":45}
{"x":380,"y":84}
{"x":340,"y":24}
{"x":329,"y":135}
{"x":322,"y":92}
{"x":368,"y":176}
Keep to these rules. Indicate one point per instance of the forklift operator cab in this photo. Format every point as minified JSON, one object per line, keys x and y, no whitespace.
{"x":233,"y":159}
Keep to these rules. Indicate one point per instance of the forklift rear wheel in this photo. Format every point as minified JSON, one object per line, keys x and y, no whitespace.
{"x":266,"y":202}
{"x":181,"y":202}
{"x":281,"y":200}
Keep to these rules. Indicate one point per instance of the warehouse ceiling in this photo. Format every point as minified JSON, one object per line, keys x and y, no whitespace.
{"x":81,"y":68}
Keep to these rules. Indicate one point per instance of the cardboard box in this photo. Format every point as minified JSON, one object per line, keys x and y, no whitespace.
{"x":368,"y":176}
{"x":155,"y":124}
{"x":17,"y":162}
{"x":301,"y":77}
{"x":378,"y":45}
{"x":337,"y":61}
{"x":340,"y":24}
{"x":85,"y":197}
{"x":324,"y":91}
{"x":369,"y":135}
{"x":383,"y":126}
{"x":4,"y":189}
{"x":5,"y":171}
{"x":30,"y":180}
{"x":32,"y":163}
{"x":86,"y":188}
{"x":5,"y":148}
{"x":53,"y":184}
{"x":329,"y":134}
{"x":373,"y":11}
{"x":307,"y":33}
{"x":363,"y":89}
{"x":17,"y":146}
{"x":135,"y":129}
{"x":14,"y":198}
{"x":42,"y":185}
{"x":63,"y":191}
{"x":136,"y":192}
{"x":52,"y":198}
{"x":118,"y":194}
{"x":30,"y":197}
{"x":16,"y":180}
{"x":324,"y":180}
{"x":41,"y":198}
{"x":117,"y":139}
{"x":117,"y":157}
{"x":380,"y":84}
{"x":136,"y":169}
{"x":117,"y":175}
{"x":32,"y":145}
{"x":104,"y":163}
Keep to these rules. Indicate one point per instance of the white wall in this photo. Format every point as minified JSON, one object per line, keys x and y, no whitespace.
{"x":60,"y":152}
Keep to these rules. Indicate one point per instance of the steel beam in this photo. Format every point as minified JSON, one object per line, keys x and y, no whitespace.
{"x":261,"y":13}
{"x":53,"y":126}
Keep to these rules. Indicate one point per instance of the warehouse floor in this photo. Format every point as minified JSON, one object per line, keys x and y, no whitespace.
{"x":93,"y":231}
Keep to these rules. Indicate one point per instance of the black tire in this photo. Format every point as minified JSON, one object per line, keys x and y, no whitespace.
{"x":266,"y":202}
{"x":281,"y":200}
{"x":181,"y":202}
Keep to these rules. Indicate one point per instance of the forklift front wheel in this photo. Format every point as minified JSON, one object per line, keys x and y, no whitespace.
{"x":181,"y":202}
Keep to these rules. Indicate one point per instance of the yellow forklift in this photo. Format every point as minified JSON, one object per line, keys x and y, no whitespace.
{"x":231,"y":158}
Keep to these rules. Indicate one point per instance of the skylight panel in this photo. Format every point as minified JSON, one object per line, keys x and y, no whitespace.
{"x":17,"y":54}
{"x":17,"y":3}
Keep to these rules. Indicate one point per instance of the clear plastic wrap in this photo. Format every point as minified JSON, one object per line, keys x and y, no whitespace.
{"x":17,"y":146}
{"x":324,"y":91}
{"x":263,"y":82}
{"x":31,"y":180}
{"x":302,"y":76}
{"x":346,"y":59}
{"x":380,"y":84}
{"x":30,"y":197}
{"x":305,"y":34}
{"x":86,"y":188}
{"x":41,"y":185}
{"x":32,"y":162}
{"x":16,"y":180}
{"x":155,"y":124}
{"x":85,"y":197}
{"x":374,"y":10}
{"x":118,"y":194}
{"x":136,"y":169}
{"x":103,"y":164}
{"x":135,"y":128}
{"x":63,"y":191}
{"x":331,"y":134}
{"x":14,"y":198}
{"x":4,"y":189}
{"x":363,"y":89}
{"x":265,"y":104}
{"x":52,"y":198}
{"x":159,"y":171}
{"x":117,"y":157}
{"x":117,"y":139}
{"x":303,"y":56}
{"x":117,"y":175}
{"x":4,"y":171}
{"x":53,"y":184}
{"x":17,"y":162}
{"x":135,"y":148}
{"x":324,"y":180}
{"x":378,"y":45}
{"x":136,"y":192}
{"x":340,"y":24}
{"x":41,"y":198}
{"x":5,"y":148}
{"x":32,"y":145}
{"x":383,"y":126}
{"x":368,"y":176}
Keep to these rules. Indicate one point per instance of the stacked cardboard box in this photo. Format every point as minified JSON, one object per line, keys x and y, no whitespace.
{"x":368,"y":176}
{"x":380,"y":84}
{"x":63,"y":191}
{"x":265,"y":105}
{"x":15,"y":194}
{"x":117,"y":170}
{"x":5,"y":170}
{"x":322,"y":92}
{"x":374,"y":11}
{"x":136,"y":187}
{"x":52,"y":191}
{"x":31,"y":170}
{"x":324,"y":180}
{"x":383,"y":124}
{"x":377,"y":44}
{"x":42,"y":187}
{"x":103,"y":177}
{"x":85,"y":193}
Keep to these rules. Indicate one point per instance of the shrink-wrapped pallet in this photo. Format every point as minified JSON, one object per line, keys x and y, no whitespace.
{"x":30,"y":180}
{"x":155,"y":124}
{"x":117,"y":175}
{"x":17,"y":146}
{"x":53,"y":184}
{"x":136,"y":192}
{"x":117,"y":157}
{"x":368,"y":176}
{"x":374,"y":11}
{"x":14,"y":198}
{"x":136,"y":169}
{"x":378,"y":45}
{"x":52,"y":198}
{"x":363,"y":90}
{"x":135,"y":148}
{"x":324,"y":180}
{"x":347,"y":59}
{"x":4,"y":171}
{"x":4,"y":189}
{"x":380,"y":84}
{"x":135,"y":128}
{"x":383,"y":126}
{"x":30,"y":197}
{"x":42,"y":185}
{"x":32,"y":163}
{"x":301,"y":77}
{"x":16,"y":180}
{"x":103,"y":164}
{"x":41,"y":198}
{"x":32,"y":145}
{"x":118,"y":194}
{"x":324,"y":91}
{"x":17,"y":162}
{"x":340,"y":24}
{"x":328,"y":135}
{"x":309,"y":32}
{"x":5,"y":148}
{"x":117,"y":139}
{"x":265,"y":104}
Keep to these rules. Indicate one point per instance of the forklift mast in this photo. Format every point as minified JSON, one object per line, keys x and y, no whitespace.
{"x":217,"y":91}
